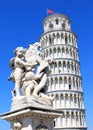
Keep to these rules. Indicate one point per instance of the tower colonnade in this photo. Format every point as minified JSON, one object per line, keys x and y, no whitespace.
{"x":66,"y":82}
{"x":59,"y":43}
{"x":65,"y":66}
{"x":63,"y":37}
{"x":63,"y":100}
{"x":71,"y":119}
{"x":61,"y":51}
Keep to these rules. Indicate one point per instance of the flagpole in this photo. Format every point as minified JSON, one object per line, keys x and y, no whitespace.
{"x":47,"y":12}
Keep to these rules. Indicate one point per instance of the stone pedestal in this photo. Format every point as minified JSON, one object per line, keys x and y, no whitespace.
{"x":29,"y":116}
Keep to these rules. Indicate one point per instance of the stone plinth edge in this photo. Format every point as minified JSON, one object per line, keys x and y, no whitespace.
{"x":33,"y":112}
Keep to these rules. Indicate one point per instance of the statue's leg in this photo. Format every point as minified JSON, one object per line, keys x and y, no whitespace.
{"x":17,"y":87}
{"x":18,"y":78}
{"x":24,"y":88}
{"x":29,"y":88}
{"x":40,"y":86}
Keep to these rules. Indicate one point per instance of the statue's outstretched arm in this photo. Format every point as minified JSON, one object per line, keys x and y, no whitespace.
{"x":22,"y":63}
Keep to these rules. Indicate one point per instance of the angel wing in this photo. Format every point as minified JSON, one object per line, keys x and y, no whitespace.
{"x":11,"y":63}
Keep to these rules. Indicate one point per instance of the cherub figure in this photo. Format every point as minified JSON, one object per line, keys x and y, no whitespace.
{"x":18,"y":66}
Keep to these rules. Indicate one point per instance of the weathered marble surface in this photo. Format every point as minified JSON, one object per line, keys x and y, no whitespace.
{"x":25,"y":101}
{"x":28,"y":80}
{"x":31,"y":118}
{"x":31,"y":108}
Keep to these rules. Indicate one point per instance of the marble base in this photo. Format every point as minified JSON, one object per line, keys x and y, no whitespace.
{"x":31,"y":118}
{"x":31,"y":113}
{"x":31,"y":101}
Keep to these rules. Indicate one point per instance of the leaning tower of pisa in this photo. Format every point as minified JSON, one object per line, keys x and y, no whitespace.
{"x":59,"y":43}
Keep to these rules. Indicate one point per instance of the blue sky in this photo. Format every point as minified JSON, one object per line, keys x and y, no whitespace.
{"x":21,"y":24}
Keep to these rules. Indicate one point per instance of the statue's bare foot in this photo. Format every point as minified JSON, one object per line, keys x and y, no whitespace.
{"x":35,"y":95}
{"x":51,"y":98}
{"x":46,"y":97}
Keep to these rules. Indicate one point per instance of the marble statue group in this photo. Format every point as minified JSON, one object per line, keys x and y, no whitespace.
{"x":29,"y":72}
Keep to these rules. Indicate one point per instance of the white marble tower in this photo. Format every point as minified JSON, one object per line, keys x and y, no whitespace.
{"x":59,"y":43}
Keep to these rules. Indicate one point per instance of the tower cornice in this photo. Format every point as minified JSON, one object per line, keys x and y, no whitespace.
{"x":65,"y":74}
{"x":63,"y":45}
{"x":56,"y":15}
{"x":56,"y":32}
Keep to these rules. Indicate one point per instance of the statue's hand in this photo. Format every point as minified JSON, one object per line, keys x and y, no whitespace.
{"x":40,"y":75}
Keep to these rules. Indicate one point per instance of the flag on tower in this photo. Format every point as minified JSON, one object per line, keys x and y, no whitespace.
{"x":50,"y":11}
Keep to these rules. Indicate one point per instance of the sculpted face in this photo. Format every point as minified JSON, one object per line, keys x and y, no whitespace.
{"x":19,"y":51}
{"x":17,"y":126}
